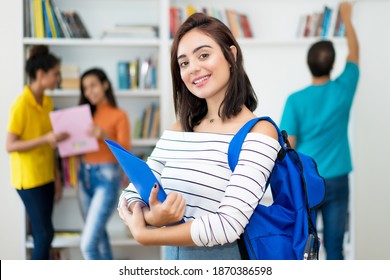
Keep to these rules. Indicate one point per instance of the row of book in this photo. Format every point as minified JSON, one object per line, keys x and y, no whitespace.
{"x":238,"y":22}
{"x":137,"y":74}
{"x":70,"y":77}
{"x":321,"y":24}
{"x":69,"y":167}
{"x":43,"y":19}
{"x":148,"y":125}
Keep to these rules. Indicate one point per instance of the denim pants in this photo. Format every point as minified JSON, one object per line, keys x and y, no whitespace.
{"x":39,"y":204}
{"x":334,"y":215}
{"x":98,"y":196}
{"x":225,"y":252}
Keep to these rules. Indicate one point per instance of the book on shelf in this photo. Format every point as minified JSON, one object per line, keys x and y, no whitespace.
{"x":43,"y":19}
{"x":80,"y":25}
{"x":148,"y":116}
{"x":147,"y":126}
{"x":339,"y":28}
{"x":233,"y":22}
{"x":238,"y":23}
{"x":62,"y":26}
{"x":27,"y":15}
{"x":39,"y":29}
{"x":138,"y":73}
{"x":54,"y":21}
{"x":69,"y":167}
{"x":321,"y":24}
{"x":70,"y":76}
{"x":76,"y":26}
{"x":326,"y":21}
{"x":46,"y":24}
{"x":245,"y":25}
{"x":123,"y":75}
{"x":155,"y":126}
{"x":50,"y":19}
{"x":134,"y":73}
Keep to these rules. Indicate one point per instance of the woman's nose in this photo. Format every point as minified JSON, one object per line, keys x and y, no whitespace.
{"x":194,"y":67}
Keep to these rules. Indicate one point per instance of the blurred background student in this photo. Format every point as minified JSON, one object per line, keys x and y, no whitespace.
{"x":317,"y":117}
{"x":100,"y":174}
{"x":31,"y":143}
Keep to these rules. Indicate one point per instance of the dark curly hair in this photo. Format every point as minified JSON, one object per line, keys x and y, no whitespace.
{"x":40,"y":58}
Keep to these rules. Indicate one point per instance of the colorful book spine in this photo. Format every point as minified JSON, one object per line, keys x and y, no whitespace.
{"x":48,"y":33}
{"x":123,"y":75}
{"x":38,"y":19}
{"x":51,"y":19}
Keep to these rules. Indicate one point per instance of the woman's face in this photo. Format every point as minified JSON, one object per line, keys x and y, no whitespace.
{"x":51,"y":78}
{"x":94,"y":90}
{"x":203,"y":67}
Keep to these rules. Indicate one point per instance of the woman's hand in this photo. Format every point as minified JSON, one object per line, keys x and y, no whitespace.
{"x":97,"y":131}
{"x":169,"y":212}
{"x":134,"y":220}
{"x":52,"y":138}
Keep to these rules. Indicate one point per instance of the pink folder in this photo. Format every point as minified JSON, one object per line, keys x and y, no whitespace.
{"x":76,"y":121}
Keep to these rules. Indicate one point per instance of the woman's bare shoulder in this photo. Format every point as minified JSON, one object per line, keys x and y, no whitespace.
{"x":267,"y":128}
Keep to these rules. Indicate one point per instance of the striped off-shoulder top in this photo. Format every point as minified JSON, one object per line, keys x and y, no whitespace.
{"x":218,"y":202}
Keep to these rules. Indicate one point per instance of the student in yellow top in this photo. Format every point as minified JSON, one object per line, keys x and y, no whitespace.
{"x":100,"y":173}
{"x":31,"y":143}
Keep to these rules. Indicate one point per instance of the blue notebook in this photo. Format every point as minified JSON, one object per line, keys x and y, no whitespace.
{"x":138,"y":172}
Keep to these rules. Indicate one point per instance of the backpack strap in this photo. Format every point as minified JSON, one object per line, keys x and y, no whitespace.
{"x":238,"y":139}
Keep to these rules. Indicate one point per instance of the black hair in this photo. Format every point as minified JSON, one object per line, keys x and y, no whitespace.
{"x":102,"y":77}
{"x":40,"y":58}
{"x":320,"y":58}
{"x":190,"y":109}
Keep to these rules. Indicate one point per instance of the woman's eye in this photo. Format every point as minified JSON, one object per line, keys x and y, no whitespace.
{"x":204,"y":55}
{"x":183,"y":64}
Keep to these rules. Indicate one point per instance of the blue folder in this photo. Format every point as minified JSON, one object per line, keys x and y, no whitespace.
{"x":138,"y":172}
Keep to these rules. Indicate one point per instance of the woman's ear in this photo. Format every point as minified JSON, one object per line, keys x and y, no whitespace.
{"x":39,"y":74}
{"x":233,"y":49}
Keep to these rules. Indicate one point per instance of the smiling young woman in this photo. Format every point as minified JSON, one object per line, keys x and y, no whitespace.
{"x":213,"y":98}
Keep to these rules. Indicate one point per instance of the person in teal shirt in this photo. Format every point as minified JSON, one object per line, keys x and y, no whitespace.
{"x":316,"y":119}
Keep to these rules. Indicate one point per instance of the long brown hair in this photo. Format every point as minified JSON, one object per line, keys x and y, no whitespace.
{"x":190,"y":109}
{"x":102,"y":77}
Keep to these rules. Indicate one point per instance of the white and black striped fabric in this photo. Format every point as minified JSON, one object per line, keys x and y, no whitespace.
{"x":218,"y":202}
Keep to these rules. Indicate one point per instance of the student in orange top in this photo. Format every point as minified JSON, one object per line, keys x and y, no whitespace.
{"x":100,"y":174}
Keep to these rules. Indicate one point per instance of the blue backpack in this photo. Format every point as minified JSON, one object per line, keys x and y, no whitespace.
{"x":285,"y":230}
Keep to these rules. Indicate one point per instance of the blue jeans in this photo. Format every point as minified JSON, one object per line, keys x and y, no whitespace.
{"x":98,"y":196}
{"x":39,"y":204}
{"x":334,"y":215}
{"x":225,"y":252}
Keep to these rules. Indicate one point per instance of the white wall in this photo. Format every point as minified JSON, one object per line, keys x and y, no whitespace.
{"x":11,"y":63}
{"x":372,"y":132}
